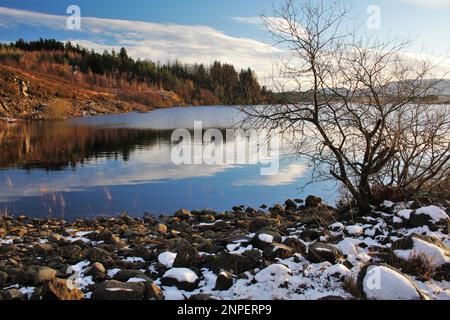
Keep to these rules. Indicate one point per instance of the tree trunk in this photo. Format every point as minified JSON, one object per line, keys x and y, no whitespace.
{"x":364,"y":196}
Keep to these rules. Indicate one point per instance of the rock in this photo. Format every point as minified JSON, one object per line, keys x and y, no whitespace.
{"x":224,"y":281}
{"x":98,"y":255}
{"x":55,"y":238}
{"x":60,"y":289}
{"x":313,"y":202}
{"x":108,"y":237}
{"x":277,"y":251}
{"x":310,"y":235}
{"x":435,"y":250}
{"x":355,"y":230}
{"x":261,"y":222}
{"x":116,"y":290}
{"x":161,"y":228}
{"x":220,"y":226}
{"x":182,"y":278}
{"x":154,"y":292}
{"x":277,"y":273}
{"x":127,"y":220}
{"x":431,"y":216}
{"x":3,"y":279}
{"x":96,"y":270}
{"x":125,"y":275}
{"x":72,"y":253}
{"x":44,"y":274}
{"x":234,"y":263}
{"x":207,"y":218}
{"x":321,"y":252}
{"x":183,"y":214}
{"x":296,"y":245}
{"x":265,"y":238}
{"x":290,"y":204}
{"x":383,"y":282}
{"x":11,"y":294}
{"x":278,"y":208}
{"x":187,"y":256}
{"x":44,"y":248}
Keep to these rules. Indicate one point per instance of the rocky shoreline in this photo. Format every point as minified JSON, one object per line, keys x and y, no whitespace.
{"x":299,"y":250}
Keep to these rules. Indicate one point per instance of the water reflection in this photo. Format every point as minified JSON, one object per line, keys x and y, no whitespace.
{"x":57,"y":145}
{"x":107,"y":164}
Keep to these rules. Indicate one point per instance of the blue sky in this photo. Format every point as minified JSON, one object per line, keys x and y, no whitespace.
{"x":205,"y":30}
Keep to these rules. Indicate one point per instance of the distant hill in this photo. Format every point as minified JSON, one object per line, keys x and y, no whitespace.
{"x":439,"y":94}
{"x":48,"y":79}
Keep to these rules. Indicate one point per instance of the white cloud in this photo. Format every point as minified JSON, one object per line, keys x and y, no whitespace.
{"x":429,"y":3}
{"x":287,"y":175}
{"x":164,"y":42}
{"x":249,"y":20}
{"x":157,"y":41}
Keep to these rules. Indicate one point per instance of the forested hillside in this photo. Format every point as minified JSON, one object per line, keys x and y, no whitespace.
{"x":195,"y":84}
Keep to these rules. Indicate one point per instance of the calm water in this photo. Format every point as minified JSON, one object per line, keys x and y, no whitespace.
{"x":108,"y":164}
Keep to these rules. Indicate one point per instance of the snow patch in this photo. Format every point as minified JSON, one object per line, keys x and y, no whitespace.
{"x":265,"y":238}
{"x":167,"y":259}
{"x":181,"y":275}
{"x":383,"y":283}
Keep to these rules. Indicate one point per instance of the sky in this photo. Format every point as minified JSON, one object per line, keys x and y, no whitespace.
{"x":208,"y":30}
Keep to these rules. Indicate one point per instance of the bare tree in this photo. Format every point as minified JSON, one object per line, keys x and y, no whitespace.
{"x":362,"y":103}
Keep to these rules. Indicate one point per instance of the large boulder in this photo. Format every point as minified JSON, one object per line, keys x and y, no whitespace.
{"x":383,"y":282}
{"x":321,"y":252}
{"x":116,"y":290}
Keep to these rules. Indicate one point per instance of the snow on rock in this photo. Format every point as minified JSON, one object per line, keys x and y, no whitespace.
{"x":405,"y":213}
{"x":136,"y":280}
{"x":265,"y":238}
{"x":435,"y":254}
{"x":379,"y":282}
{"x":337,"y":226}
{"x":397,"y":220}
{"x":167,"y":259}
{"x":436,"y":214}
{"x":387,"y":204}
{"x":112,"y":272}
{"x":181,"y":275}
{"x":355,"y":230}
{"x":276,"y":272}
{"x":134,"y":259}
{"x":347,"y":247}
{"x":337,"y":270}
